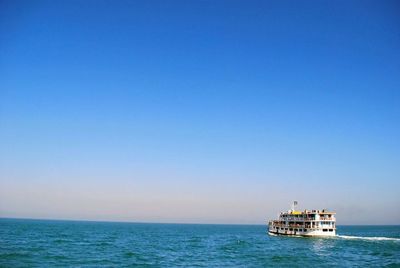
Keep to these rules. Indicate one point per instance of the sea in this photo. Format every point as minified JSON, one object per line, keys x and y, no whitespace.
{"x":51,"y":243}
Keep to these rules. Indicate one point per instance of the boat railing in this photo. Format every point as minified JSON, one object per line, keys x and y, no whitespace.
{"x":297,"y":224}
{"x":310,"y":227}
{"x":288,"y":225}
{"x":308,"y":219}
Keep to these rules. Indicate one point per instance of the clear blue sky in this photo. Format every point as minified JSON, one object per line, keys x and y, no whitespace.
{"x":199,"y":111}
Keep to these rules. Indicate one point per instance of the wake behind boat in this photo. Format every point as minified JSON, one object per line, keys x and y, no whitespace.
{"x":304,"y":223}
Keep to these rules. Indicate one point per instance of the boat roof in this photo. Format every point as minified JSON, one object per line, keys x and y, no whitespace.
{"x":296,"y":212}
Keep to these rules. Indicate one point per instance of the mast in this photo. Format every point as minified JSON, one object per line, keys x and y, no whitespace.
{"x":294,"y":205}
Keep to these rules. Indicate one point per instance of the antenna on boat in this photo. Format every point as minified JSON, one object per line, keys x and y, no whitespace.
{"x":294,"y":205}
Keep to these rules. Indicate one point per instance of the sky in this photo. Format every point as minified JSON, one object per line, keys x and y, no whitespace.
{"x":199,"y":111}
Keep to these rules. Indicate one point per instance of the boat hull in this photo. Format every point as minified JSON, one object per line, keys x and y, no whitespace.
{"x":314,"y":233}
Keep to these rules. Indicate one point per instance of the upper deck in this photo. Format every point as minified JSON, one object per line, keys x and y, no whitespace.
{"x":307,"y":215}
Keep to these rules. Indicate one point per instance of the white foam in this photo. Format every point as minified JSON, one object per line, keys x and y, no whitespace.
{"x":373,"y":238}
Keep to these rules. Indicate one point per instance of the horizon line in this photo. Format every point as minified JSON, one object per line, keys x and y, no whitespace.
{"x":172,"y":223}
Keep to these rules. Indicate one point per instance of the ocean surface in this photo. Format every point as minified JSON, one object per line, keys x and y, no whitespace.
{"x":45,"y":243}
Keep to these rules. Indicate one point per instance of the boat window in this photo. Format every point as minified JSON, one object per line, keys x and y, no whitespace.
{"x":325,"y":230}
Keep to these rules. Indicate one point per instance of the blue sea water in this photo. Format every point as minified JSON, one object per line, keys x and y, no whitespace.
{"x":45,"y":243}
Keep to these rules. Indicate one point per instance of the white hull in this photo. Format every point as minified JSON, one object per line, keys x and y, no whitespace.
{"x":311,"y":233}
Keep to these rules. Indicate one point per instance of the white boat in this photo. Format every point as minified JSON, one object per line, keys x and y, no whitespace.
{"x":304,"y":223}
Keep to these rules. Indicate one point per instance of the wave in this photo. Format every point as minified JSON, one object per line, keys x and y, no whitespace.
{"x":372,"y":238}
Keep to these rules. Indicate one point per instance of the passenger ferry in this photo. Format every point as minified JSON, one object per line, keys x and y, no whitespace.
{"x":304,"y":223}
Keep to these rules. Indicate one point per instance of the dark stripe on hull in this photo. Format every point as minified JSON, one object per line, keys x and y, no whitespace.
{"x":303,"y":235}
{"x":287,"y":234}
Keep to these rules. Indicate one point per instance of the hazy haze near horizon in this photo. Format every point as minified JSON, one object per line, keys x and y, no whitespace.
{"x":199,"y":111}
